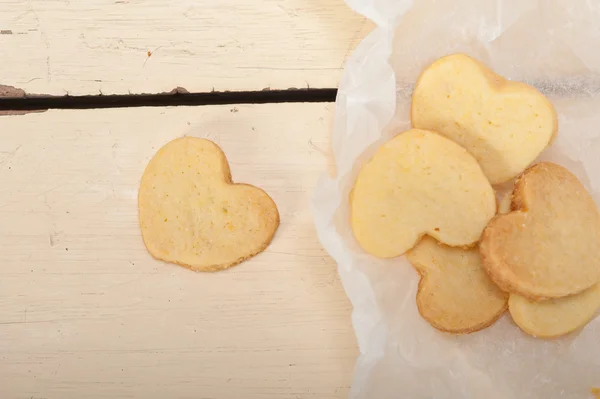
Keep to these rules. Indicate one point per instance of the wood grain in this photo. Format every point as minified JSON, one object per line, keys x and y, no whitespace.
{"x":91,"y":47}
{"x":86,"y":312}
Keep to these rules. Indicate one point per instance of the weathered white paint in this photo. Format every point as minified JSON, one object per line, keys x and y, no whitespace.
{"x":85,"y":312}
{"x":103,"y":46}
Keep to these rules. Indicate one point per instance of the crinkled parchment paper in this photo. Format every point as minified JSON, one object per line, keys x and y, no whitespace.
{"x":554,"y":45}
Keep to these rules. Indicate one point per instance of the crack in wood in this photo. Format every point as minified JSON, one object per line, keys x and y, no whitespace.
{"x":16,"y":100}
{"x":12,"y":92}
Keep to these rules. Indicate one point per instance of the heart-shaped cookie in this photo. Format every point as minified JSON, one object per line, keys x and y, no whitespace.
{"x":193,"y":215}
{"x":455,"y":293}
{"x":554,"y":317}
{"x":549,"y":245}
{"x":505,"y":125}
{"x":419,"y":183}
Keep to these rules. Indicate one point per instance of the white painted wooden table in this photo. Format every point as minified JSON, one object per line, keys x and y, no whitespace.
{"x":85,"y":312}
{"x":152,"y":46}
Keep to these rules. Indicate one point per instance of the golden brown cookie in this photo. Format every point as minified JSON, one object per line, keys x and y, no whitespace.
{"x":193,"y":215}
{"x":455,"y":294}
{"x":505,"y":125}
{"x":419,"y":183}
{"x":554,"y":317}
{"x":548,"y":246}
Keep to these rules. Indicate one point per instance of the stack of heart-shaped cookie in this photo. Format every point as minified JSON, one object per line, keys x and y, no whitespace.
{"x":543,"y":249}
{"x":428,"y":193}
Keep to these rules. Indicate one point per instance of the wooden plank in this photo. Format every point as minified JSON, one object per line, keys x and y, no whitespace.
{"x":86,"y":312}
{"x":150,"y":46}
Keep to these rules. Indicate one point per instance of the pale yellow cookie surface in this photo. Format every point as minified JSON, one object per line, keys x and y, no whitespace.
{"x":554,"y":317}
{"x":548,"y":246}
{"x":504,"y":124}
{"x":455,"y":293}
{"x":419,"y":183}
{"x":193,"y":215}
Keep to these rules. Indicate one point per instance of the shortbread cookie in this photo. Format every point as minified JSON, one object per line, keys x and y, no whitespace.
{"x":193,"y":215}
{"x":504,"y":124}
{"x":554,"y":317}
{"x":455,"y":294}
{"x":548,"y":246}
{"x":419,"y":183}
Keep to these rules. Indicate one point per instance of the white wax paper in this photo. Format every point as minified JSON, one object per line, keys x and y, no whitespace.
{"x":554,"y":45}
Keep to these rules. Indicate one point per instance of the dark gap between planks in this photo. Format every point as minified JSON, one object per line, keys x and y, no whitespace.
{"x":168,"y":99}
